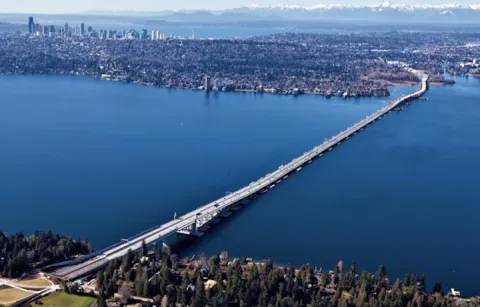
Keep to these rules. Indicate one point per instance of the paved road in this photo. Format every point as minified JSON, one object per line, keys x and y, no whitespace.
{"x":210,"y":210}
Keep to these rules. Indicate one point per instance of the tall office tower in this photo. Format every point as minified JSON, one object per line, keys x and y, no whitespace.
{"x":152,"y":36}
{"x":82,"y":29}
{"x":90,"y":29}
{"x":111,"y":34}
{"x":66,"y":29}
{"x":157,"y":35}
{"x":207,"y":83}
{"x":31,"y":25}
{"x":144,"y":34}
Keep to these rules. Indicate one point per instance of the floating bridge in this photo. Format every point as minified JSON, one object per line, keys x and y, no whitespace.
{"x":197,"y":221}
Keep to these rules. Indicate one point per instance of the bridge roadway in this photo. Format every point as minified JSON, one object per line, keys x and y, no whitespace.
{"x":193,"y":218}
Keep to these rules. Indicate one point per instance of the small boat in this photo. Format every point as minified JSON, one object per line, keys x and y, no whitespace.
{"x":286,"y":176}
{"x":264,"y":191}
{"x":299,"y":169}
{"x":272,"y":186}
{"x":330,"y":149}
{"x":278,"y":181}
{"x":321,"y":155}
{"x":309,"y":162}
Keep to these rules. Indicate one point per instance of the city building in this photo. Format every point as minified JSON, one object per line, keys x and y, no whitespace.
{"x":31,"y":25}
{"x":206,"y":84}
{"x":82,"y":29}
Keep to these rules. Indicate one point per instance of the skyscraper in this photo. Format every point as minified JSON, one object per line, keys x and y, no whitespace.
{"x":207,"y":83}
{"x":82,"y":29}
{"x":31,"y":25}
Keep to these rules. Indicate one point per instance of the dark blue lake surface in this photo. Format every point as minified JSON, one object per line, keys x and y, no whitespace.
{"x":106,"y":160}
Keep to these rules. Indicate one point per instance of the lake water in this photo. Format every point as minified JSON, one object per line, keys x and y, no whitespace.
{"x":106,"y":160}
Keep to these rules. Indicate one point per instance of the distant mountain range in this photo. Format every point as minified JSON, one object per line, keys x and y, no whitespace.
{"x":383,"y":12}
{"x":386,"y":11}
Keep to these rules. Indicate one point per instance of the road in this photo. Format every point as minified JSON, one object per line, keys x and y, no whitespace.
{"x":196,"y":218}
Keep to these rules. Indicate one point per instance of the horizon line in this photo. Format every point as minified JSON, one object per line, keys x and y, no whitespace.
{"x":384,"y":4}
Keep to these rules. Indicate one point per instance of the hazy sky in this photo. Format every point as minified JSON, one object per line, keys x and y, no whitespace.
{"x":71,"y":6}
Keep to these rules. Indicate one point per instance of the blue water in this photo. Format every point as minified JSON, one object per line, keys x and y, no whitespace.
{"x":106,"y":160}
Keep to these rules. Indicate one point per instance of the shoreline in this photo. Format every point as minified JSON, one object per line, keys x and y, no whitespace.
{"x":292,"y":92}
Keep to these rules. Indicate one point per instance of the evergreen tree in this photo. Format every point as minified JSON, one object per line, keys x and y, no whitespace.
{"x":101,"y":302}
{"x":146,"y":288}
{"x":144,"y":248}
{"x":200,"y":298}
{"x":127,"y":261}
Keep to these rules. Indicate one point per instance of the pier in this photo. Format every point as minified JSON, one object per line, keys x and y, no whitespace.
{"x":196,"y":221}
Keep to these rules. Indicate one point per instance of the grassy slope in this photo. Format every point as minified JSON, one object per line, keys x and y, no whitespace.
{"x":9,"y":295}
{"x":62,"y":299}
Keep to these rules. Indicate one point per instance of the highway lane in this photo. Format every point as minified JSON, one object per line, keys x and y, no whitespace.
{"x":212,"y":209}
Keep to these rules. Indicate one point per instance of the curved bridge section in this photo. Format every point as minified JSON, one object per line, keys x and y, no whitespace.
{"x":194,"y":222}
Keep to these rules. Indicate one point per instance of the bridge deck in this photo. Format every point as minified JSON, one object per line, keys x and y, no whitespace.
{"x":155,"y":234}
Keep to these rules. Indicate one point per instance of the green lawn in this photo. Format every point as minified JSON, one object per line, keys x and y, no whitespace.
{"x":62,"y":299}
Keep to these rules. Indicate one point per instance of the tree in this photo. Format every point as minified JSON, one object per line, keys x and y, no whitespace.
{"x":144,"y":248}
{"x":213,"y":263}
{"x":380,"y":275}
{"x":139,"y":283}
{"x":20,"y":253}
{"x":127,"y":261}
{"x":183,"y":295}
{"x":437,"y":287}
{"x":200,"y":298}
{"x":101,"y":302}
{"x":146,"y":288}
{"x":396,"y":285}
{"x":407,"y":280}
{"x":421,"y":283}
{"x":99,"y":280}
{"x":125,"y":293}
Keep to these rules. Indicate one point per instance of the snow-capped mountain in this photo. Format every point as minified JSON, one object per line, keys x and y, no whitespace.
{"x":385,"y":11}
{"x":382,"y":5}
